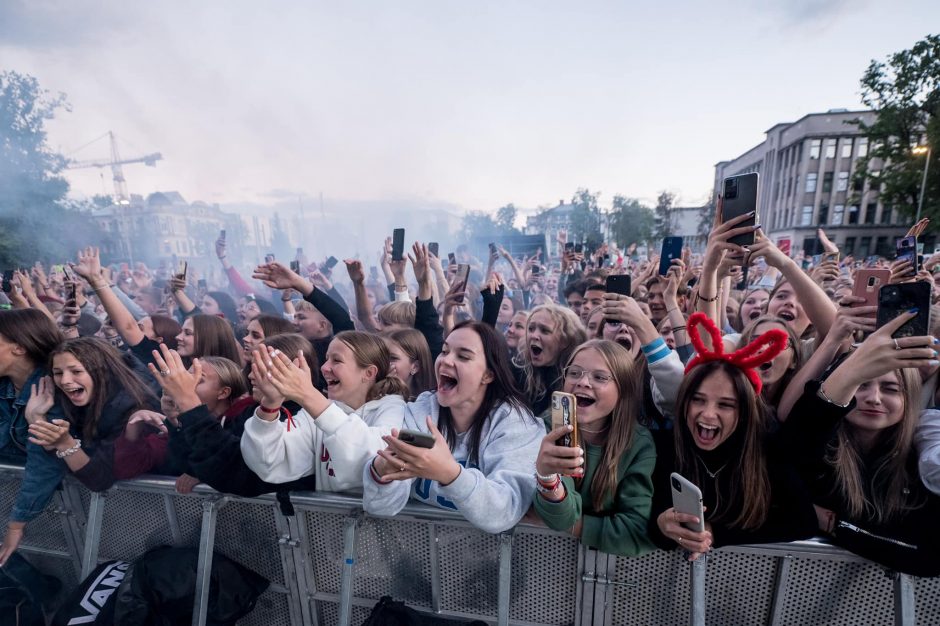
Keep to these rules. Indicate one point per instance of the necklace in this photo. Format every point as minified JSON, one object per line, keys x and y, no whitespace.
{"x":710,"y":473}
{"x":594,"y":432}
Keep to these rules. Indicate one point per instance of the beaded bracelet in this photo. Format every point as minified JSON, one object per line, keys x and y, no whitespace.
{"x":61,"y":454}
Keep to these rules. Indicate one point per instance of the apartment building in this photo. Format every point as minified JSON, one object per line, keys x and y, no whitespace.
{"x":807,"y":181}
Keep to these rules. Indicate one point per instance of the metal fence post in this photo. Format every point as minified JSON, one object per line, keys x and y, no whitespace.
{"x":350,"y":534}
{"x":210,"y":514}
{"x":904,"y":609}
{"x":93,"y":533}
{"x":294,"y":572}
{"x":781,"y":585}
{"x":505,"y":578}
{"x":697,"y":590}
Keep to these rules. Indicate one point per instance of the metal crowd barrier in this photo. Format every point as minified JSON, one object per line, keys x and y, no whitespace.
{"x":329,"y":563}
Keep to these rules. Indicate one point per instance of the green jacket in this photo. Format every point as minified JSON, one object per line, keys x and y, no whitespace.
{"x":620,"y":527}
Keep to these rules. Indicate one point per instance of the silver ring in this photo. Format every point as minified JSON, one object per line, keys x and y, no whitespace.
{"x":679,"y":540}
{"x":164,"y":372}
{"x":403,"y":466}
{"x":897,"y":346}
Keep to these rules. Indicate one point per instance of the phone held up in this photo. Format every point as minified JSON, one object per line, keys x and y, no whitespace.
{"x":8,"y":281}
{"x":907,"y":250}
{"x":295,"y":267}
{"x":398,"y":244}
{"x":565,"y":413}
{"x":739,"y":197}
{"x":687,"y":498}
{"x":463,"y":275}
{"x":434,"y":249}
{"x":619,"y":283}
{"x":893,"y":300}
{"x":672,"y":249}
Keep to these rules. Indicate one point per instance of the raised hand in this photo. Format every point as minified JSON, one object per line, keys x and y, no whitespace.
{"x":420,"y":261}
{"x":291,"y":379}
{"x":176,"y":381}
{"x":354,"y":269}
{"x":278,"y":276}
{"x":555,"y":459}
{"x":89,"y":264}
{"x":41,"y":399}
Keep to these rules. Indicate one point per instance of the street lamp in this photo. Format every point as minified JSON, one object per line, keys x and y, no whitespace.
{"x":923,"y":183}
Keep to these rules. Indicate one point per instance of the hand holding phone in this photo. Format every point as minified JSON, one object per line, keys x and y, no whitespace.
{"x":672,"y":249}
{"x":398,"y":244}
{"x":687,"y":498}
{"x":565,"y":413}
{"x":416,"y":438}
{"x":739,"y":197}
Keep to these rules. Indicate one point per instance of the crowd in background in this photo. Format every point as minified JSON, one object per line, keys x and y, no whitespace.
{"x":770,"y":383}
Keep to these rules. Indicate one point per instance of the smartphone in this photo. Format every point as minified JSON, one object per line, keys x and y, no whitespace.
{"x":565,"y":413}
{"x":619,"y":283}
{"x":687,"y":498}
{"x":182,"y":269}
{"x":894,"y":300}
{"x":536,"y":270}
{"x":742,"y":284}
{"x":868,"y":282}
{"x":331,"y":263}
{"x":569,"y":246}
{"x":830,"y":256}
{"x":69,"y":274}
{"x":72,"y":294}
{"x":492,"y":248}
{"x":295,"y":267}
{"x":672,"y":249}
{"x":578,"y":248}
{"x":434,"y":248}
{"x":416,"y":438}
{"x":8,"y":281}
{"x":463,"y":276}
{"x":398,"y":244}
{"x":269,"y":258}
{"x":739,"y":198}
{"x":451,"y":259}
{"x":907,"y":250}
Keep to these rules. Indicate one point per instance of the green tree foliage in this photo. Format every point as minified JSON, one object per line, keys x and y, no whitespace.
{"x":478,"y":224}
{"x":630,"y":221}
{"x":904,"y":92}
{"x":37,"y":222}
{"x":663,"y":212}
{"x":506,"y":219}
{"x":585,"y":218}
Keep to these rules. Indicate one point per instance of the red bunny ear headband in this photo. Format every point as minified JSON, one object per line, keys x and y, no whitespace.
{"x":761,"y":350}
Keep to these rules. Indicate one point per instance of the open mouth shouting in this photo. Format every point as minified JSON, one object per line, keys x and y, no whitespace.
{"x":786,"y":315}
{"x":536,"y":352}
{"x":77,"y":395}
{"x":584,"y":401}
{"x":754,"y":314}
{"x":446,"y":383}
{"x":706,"y":435}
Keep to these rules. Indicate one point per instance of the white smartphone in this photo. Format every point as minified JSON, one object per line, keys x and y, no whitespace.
{"x":687,"y":498}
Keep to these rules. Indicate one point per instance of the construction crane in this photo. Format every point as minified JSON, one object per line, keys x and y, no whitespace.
{"x":121,"y":196}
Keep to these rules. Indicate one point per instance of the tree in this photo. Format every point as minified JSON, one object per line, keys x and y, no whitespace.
{"x":585,"y":218}
{"x":706,"y":216}
{"x":37,"y":222}
{"x":478,"y":224}
{"x":506,"y":220}
{"x":904,"y":92}
{"x":663,"y":214}
{"x":630,"y":221}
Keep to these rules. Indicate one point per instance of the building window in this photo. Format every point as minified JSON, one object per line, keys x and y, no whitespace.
{"x":789,"y":186}
{"x":842,"y":184}
{"x":837,"y":214}
{"x":807,"y":217}
{"x":827,"y":182}
{"x":849,"y":247}
{"x":823,"y":213}
{"x":776,"y":189}
{"x":814,"y":147}
{"x":881,"y":247}
{"x":862,"y":147}
{"x":864,"y":248}
{"x":846,"y":148}
{"x":830,"y":148}
{"x":811,"y":182}
{"x":853,"y":214}
{"x":870,"y":213}
{"x":857,"y":183}
{"x":886,"y":214}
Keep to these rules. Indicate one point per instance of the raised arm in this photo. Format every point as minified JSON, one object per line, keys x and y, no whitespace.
{"x":89,"y":268}
{"x":363,"y":310}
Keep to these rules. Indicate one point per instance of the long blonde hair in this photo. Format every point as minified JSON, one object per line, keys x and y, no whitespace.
{"x":622,"y":420}
{"x":883,"y":496}
{"x":572,"y":334}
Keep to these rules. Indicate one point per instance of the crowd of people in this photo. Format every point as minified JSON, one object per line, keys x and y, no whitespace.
{"x":763,"y":380}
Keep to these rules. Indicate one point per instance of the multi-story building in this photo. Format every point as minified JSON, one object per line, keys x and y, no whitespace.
{"x":807,"y":181}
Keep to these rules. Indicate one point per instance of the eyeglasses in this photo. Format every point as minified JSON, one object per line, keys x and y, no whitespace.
{"x":574,"y":374}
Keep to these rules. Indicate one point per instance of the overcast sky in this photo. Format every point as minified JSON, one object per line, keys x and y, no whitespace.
{"x":432,"y":102}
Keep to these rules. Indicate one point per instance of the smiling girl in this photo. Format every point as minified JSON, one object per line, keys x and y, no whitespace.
{"x":207,"y":335}
{"x":606,"y":494}
{"x":552,"y":334}
{"x":485,"y":440}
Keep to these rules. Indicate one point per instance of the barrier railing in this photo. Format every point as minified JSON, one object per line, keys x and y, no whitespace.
{"x":329,"y":563}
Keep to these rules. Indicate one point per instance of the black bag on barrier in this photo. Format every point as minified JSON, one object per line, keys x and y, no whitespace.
{"x":92,"y":602}
{"x":390,"y":612}
{"x":24,"y":592}
{"x":160,"y":590}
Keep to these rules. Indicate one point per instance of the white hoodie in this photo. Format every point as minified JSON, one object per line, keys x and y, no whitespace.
{"x":494,"y":493}
{"x":333,"y":446}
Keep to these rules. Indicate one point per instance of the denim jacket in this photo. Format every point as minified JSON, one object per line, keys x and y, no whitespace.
{"x":43,"y":471}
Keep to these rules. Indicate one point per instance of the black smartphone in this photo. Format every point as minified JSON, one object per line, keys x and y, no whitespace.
{"x":907,"y":250}
{"x":569,"y":246}
{"x":739,"y":198}
{"x":434,"y":249}
{"x":269,"y":258}
{"x":742,"y":285}
{"x":8,"y":281}
{"x":463,"y":275}
{"x":578,"y":248}
{"x":416,"y":438}
{"x":295,"y":267}
{"x":72,"y":295}
{"x":331,"y":263}
{"x":672,"y":249}
{"x":492,"y":248}
{"x":451,"y":259}
{"x":893,"y":300}
{"x":619,"y":283}
{"x":182,"y":269}
{"x":69,"y":274}
{"x":536,"y":270}
{"x":398,"y":244}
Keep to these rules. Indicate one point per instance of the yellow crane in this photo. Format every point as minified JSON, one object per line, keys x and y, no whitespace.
{"x":121,"y":196}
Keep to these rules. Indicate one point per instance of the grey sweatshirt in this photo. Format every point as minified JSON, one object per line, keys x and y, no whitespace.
{"x":492,"y":494}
